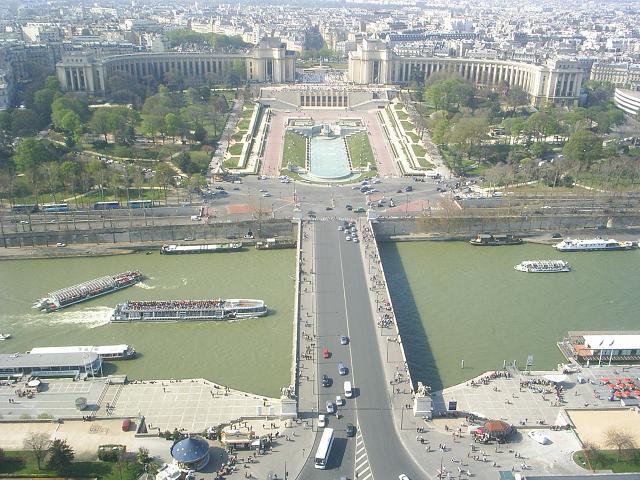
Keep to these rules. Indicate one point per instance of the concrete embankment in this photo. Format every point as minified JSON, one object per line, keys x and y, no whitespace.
{"x":107,"y":241}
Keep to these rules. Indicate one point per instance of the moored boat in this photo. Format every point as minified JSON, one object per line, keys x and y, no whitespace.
{"x":543,"y":266}
{"x":106,"y":352}
{"x":5,"y":336}
{"x":593,"y":245}
{"x":275,"y":243}
{"x":185,"y":310}
{"x":207,"y":248}
{"x":87,"y":290}
{"x":489,"y":240}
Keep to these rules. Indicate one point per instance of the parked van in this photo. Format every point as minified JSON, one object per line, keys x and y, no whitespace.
{"x":348,"y":392}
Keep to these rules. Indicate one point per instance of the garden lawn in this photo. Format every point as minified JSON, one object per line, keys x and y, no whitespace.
{"x":606,"y":460}
{"x":294,"y":150}
{"x":360,"y":149}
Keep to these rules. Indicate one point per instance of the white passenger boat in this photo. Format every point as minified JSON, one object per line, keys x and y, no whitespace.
{"x":5,"y":336}
{"x":593,"y":244}
{"x":543,"y":266}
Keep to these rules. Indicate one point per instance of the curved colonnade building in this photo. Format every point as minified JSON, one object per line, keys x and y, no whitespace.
{"x":557,"y":81}
{"x":267,"y":62}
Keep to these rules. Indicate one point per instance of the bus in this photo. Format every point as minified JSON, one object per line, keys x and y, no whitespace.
{"x":33,"y":208}
{"x":324,"y":449}
{"x":141,"y":204}
{"x":55,"y":207}
{"x":106,"y":205}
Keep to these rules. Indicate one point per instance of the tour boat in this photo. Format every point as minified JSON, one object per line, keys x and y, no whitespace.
{"x":543,"y":266}
{"x":183,"y":310}
{"x":593,"y":244}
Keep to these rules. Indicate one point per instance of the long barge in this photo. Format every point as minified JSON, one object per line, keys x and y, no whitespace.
{"x":207,"y":248}
{"x":489,"y":240}
{"x":275,"y":244}
{"x":187,"y":310}
{"x":87,"y":290}
{"x":106,"y":352}
{"x":593,"y":245}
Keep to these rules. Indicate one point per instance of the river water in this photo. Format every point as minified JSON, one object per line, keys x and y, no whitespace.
{"x":458,"y":302}
{"x":250,"y":354}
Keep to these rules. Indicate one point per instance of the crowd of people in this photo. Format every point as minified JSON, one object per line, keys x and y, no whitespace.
{"x":330,"y":77}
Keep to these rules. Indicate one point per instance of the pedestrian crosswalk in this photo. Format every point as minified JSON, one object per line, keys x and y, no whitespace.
{"x":362,"y":469}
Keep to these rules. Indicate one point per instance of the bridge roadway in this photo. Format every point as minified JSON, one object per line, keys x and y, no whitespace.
{"x":342,"y":307}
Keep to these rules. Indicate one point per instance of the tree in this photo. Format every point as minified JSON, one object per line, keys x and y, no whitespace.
{"x":591,"y":453}
{"x":517,"y":97}
{"x":101,"y":123}
{"x":450,"y":93}
{"x":71,"y":124}
{"x":174,"y":125}
{"x":24,"y":122}
{"x":60,"y":456}
{"x":620,"y":440}
{"x":39,"y":444}
{"x":583,"y":147}
{"x":468,"y":132}
{"x":143,"y":456}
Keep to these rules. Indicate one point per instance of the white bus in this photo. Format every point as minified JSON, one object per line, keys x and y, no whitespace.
{"x":324,"y":449}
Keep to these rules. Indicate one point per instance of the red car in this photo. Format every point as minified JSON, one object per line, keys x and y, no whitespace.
{"x":326,"y":353}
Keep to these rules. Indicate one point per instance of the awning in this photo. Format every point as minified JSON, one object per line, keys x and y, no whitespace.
{"x":556,"y":378}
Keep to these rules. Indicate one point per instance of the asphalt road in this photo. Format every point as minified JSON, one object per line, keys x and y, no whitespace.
{"x":343,"y":307}
{"x":323,"y":200}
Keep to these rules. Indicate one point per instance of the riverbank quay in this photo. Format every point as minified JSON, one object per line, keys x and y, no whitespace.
{"x":164,"y":230}
{"x":189,"y":406}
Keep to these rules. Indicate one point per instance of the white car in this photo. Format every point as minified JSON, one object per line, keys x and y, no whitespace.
{"x":262,"y":190}
{"x":340,"y":228}
{"x":402,"y":476}
{"x":266,"y":194}
{"x":347,"y":238}
{"x":339,"y":400}
{"x":322,"y":420}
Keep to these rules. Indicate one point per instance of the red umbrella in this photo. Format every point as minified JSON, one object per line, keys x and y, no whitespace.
{"x":637,"y":393}
{"x":604,"y":380}
{"x":611,"y":385}
{"x":617,"y":394}
{"x":627,"y":379}
{"x":626,"y":394}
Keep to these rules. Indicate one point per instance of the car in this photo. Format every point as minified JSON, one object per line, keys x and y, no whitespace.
{"x":326,"y":381}
{"x":326,"y":353}
{"x":348,"y":238}
{"x":353,"y":229}
{"x":218,"y":187}
{"x":348,"y":207}
{"x":339,"y":400}
{"x":331,"y":408}
{"x":556,"y":235}
{"x":262,"y":177}
{"x":359,"y":210}
{"x":373,"y":190}
{"x":408,"y":188}
{"x":248,"y":236}
{"x":399,"y":190}
{"x":342,"y":370}
{"x":24,"y":222}
{"x":266,"y":194}
{"x":59,"y":244}
{"x":402,"y":476}
{"x":355,"y":187}
{"x":322,"y":420}
{"x":53,"y":221}
{"x":351,"y":430}
{"x":232,"y":237}
{"x":327,"y":208}
{"x":355,"y":240}
{"x":344,"y":340}
{"x":188,"y":239}
{"x":340,"y":228}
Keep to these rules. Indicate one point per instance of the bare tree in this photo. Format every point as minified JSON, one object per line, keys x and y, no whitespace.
{"x":590,"y":452}
{"x":39,"y":444}
{"x":620,"y":440}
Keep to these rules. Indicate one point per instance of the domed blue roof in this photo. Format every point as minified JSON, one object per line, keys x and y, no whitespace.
{"x":190,"y":449}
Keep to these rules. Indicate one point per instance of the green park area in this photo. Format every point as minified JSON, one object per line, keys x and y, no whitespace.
{"x":294,"y":151}
{"x":617,"y":461}
{"x":360,"y":150}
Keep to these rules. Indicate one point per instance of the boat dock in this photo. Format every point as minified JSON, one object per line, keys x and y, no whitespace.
{"x":593,"y":348}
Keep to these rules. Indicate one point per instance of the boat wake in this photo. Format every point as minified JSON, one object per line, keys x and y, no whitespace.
{"x":144,"y":286}
{"x":88,"y":317}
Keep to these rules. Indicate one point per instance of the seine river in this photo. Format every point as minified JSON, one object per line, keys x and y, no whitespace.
{"x":458,"y":302}
{"x":252,"y":354}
